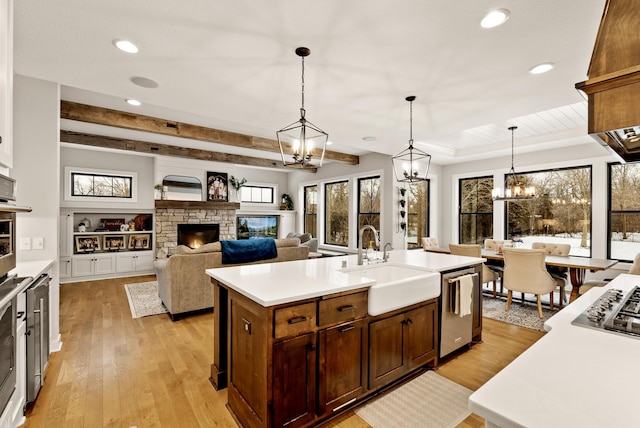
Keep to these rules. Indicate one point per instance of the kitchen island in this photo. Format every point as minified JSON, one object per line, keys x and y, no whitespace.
{"x":296,"y":342}
{"x":572,"y":377}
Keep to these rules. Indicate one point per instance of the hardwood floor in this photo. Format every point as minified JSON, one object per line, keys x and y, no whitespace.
{"x":114,"y":371}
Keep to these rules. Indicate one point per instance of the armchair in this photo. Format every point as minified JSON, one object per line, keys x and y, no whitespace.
{"x":525,"y":271}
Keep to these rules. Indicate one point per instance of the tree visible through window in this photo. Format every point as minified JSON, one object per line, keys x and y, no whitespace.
{"x":101,"y":186}
{"x":624,"y":211}
{"x":417,"y":213}
{"x":368,"y":208}
{"x":476,"y":210}
{"x":337,"y":213}
{"x":311,"y":210}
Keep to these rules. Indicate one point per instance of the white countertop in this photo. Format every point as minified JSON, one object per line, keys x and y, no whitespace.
{"x":31,"y":269}
{"x":270,"y":284}
{"x":572,"y":377}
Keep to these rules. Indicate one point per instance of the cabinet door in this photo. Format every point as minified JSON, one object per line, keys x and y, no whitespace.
{"x":421,"y":335}
{"x":81,"y":266}
{"x":6,"y":83}
{"x":343,"y":365}
{"x":386,"y":353}
{"x":294,"y":381}
{"x":65,"y":239}
{"x":144,"y":261}
{"x":125,"y":262}
{"x":64,"y":267}
{"x":104,"y":264}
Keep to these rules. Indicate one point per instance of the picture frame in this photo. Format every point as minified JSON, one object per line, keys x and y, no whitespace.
{"x":140,"y":241}
{"x":87,"y":243}
{"x":217,"y":187}
{"x":114,"y":243}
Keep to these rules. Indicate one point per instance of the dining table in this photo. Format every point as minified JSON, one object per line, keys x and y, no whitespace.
{"x":578,"y":266}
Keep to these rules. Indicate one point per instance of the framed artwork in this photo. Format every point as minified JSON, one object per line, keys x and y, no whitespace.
{"x":139,"y":242}
{"x":217,"y":187}
{"x":114,"y":242}
{"x":87,"y":243}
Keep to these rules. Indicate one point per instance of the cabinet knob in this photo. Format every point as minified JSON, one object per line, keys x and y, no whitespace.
{"x":311,"y":346}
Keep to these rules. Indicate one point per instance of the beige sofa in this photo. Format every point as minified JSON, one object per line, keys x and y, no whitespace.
{"x":183,"y":285}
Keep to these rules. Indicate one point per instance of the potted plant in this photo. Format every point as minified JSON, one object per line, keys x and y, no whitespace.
{"x":237,"y":184}
{"x":287,"y":202}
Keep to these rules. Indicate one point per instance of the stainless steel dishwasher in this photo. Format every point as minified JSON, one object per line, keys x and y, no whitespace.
{"x":37,"y":334}
{"x":455,"y":331}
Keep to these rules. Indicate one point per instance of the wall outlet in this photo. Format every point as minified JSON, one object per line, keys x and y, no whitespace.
{"x":25,"y":244}
{"x":38,"y":243}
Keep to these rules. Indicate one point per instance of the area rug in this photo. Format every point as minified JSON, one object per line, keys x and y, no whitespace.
{"x":521,"y":314}
{"x":144,"y":300}
{"x":428,"y":401}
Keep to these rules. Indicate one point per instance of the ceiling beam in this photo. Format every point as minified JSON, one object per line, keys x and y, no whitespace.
{"x":103,"y":116}
{"x":166,"y":150}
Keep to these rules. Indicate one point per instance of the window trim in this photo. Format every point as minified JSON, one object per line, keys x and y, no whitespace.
{"x":611,"y":211}
{"x":348,"y":182}
{"x":359,"y":213}
{"x":304,"y":209}
{"x":472,"y":213}
{"x":68,"y":185}
{"x":260,"y":186}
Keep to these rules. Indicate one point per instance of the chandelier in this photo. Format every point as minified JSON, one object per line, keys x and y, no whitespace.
{"x":411,"y":164}
{"x":302,"y":140}
{"x":513,"y":190}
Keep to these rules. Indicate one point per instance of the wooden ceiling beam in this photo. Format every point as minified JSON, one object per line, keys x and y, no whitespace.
{"x":108,"y":117}
{"x":166,"y":150}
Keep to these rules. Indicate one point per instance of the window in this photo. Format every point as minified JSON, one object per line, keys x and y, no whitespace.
{"x":417,"y":213}
{"x":368,"y":208}
{"x":561,"y":213}
{"x":475,"y":210}
{"x":311,"y":210}
{"x":337,"y":213}
{"x":257,"y":194}
{"x":100,"y":186}
{"x":624,"y":211}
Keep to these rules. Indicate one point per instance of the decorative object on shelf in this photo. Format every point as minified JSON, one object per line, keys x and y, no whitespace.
{"x":304,"y":136}
{"x":132,"y":225}
{"x":287,"y":202}
{"x":124,"y":228}
{"x":143,"y":221}
{"x":237,"y":184}
{"x":403,"y":190}
{"x":112,"y":223}
{"x":403,"y":225}
{"x":402,"y":213}
{"x":217,"y":187}
{"x":87,"y":244}
{"x":114,"y":242}
{"x":513,"y":189}
{"x":402,"y":202}
{"x":158,"y":191}
{"x":411,"y":164}
{"x":139,"y":242}
{"x":82,"y":227}
{"x":86,"y":222}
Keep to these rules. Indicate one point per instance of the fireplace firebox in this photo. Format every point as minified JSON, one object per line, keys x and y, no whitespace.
{"x":195,"y":235}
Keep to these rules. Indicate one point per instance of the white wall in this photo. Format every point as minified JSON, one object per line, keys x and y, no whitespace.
{"x":36,"y":165}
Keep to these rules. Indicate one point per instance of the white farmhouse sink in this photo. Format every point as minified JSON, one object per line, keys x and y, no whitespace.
{"x":397,"y":286}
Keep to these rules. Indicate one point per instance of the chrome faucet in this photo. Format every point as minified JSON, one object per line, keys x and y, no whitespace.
{"x":375,"y":235}
{"x":385,"y":255}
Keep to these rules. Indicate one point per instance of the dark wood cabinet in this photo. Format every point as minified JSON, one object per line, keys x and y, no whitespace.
{"x":402,"y":342}
{"x":342,"y":365}
{"x":294,"y":381}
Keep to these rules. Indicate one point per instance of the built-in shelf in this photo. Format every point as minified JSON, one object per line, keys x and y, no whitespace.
{"x":165,"y":203}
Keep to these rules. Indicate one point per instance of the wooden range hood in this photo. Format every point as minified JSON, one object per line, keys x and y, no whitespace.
{"x":613,"y":88}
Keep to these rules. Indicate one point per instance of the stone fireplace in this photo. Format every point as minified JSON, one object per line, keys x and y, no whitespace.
{"x":171,"y":213}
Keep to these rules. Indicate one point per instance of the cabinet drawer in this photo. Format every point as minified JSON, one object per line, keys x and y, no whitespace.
{"x":343,"y":308}
{"x":295,"y":320}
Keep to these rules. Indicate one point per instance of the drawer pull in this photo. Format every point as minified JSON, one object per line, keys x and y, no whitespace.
{"x":346,"y":308}
{"x":346,"y":328}
{"x":297,"y":320}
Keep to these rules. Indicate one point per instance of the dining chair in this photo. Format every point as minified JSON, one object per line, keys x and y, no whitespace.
{"x":525,"y":271}
{"x":471,"y":250}
{"x":496,"y":266}
{"x":429,"y":242}
{"x":557,"y":272}
{"x":588,"y":285}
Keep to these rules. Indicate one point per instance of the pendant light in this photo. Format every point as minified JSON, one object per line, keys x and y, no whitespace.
{"x":513,"y":189}
{"x":411,"y":164}
{"x":302,"y":140}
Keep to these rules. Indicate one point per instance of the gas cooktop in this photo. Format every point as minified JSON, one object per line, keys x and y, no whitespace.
{"x":614,"y":312}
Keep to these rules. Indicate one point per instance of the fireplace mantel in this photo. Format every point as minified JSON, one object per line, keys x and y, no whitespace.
{"x":202,"y":205}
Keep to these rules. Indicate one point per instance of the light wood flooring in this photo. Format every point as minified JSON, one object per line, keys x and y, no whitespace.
{"x":114,"y":371}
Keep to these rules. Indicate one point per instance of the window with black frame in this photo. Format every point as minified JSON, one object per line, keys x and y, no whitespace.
{"x":624,"y":211}
{"x":561,"y":212}
{"x":101,"y":185}
{"x":417,"y":213}
{"x":336,"y":229}
{"x":311,"y":210}
{"x":475,"y":210}
{"x":368,"y":208}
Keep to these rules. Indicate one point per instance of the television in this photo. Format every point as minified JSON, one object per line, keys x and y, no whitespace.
{"x":256,"y":226}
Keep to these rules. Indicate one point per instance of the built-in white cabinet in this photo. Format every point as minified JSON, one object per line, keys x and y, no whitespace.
{"x":134,"y":262}
{"x":93,"y":264}
{"x":6,"y":82}
{"x":64,"y":267}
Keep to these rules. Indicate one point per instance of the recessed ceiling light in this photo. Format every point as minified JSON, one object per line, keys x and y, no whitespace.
{"x":369,"y":138}
{"x":144,"y":82}
{"x":134,"y":102}
{"x":542,"y":68}
{"x":495,"y":18}
{"x":126,"y":46}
